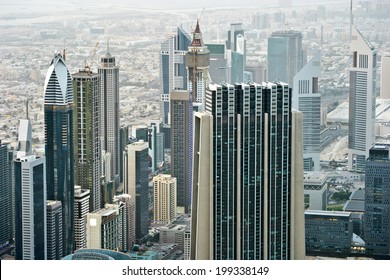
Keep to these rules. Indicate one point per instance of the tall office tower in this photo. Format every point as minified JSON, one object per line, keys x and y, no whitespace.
{"x":181,"y":146}
{"x":377,"y":200}
{"x":81,"y":209}
{"x":306,"y":98}
{"x":261,"y":21}
{"x":173,"y":74}
{"x":385,"y":82}
{"x":127,"y":223}
{"x":124,"y":139}
{"x":236,"y":44}
{"x":257,"y":179}
{"x":5,"y":197}
{"x":285,"y":56}
{"x":202,"y":210}
{"x":109,"y":113}
{"x":59,"y":151}
{"x":362,"y":101}
{"x":218,"y":68}
{"x":30,"y":199}
{"x":87,"y":144}
{"x":197,"y":64}
{"x":164,"y":199}
{"x":136,"y":184}
{"x":103,"y":227}
{"x":54,"y":229}
{"x":156,"y":146}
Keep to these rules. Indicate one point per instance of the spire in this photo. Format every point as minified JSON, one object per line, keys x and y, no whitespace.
{"x":197,"y":40}
{"x":108,"y":46}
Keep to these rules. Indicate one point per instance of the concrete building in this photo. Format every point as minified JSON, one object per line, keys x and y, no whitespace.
{"x":173,"y":234}
{"x":306,"y":97}
{"x":54,"y":230}
{"x":164,"y":199}
{"x":315,"y":190}
{"x":385,"y":73}
{"x":362,"y":101}
{"x":127,"y":238}
{"x":87,"y":144}
{"x":81,"y":209}
{"x":377,"y":200}
{"x":5,"y":197}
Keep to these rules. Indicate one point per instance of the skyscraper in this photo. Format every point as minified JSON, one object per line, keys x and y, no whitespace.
{"x":385,"y":83}
{"x":181,"y":146}
{"x":377,"y":200}
{"x":5,"y":197}
{"x":54,"y":229}
{"x":136,"y":184}
{"x":127,"y":223}
{"x":30,"y":199}
{"x":87,"y":144}
{"x":257,"y":179}
{"x":306,"y":98}
{"x":81,"y":209}
{"x":109,"y":113}
{"x":164,"y":199}
{"x":236,"y":45}
{"x":173,"y":74}
{"x":59,"y":144}
{"x":284,"y":55}
{"x":197,"y":64}
{"x":362,"y":101}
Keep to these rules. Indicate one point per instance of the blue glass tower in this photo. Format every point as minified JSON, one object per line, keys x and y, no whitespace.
{"x":59,"y":144}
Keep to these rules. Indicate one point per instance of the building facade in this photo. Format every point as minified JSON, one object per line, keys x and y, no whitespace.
{"x":362,"y":101}
{"x":87,"y":144}
{"x":58,"y":108}
{"x":81,"y":209}
{"x":54,"y":229}
{"x":164,"y":199}
{"x":5,"y":197}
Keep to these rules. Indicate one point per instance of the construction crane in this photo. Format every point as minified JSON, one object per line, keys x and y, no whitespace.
{"x":92,"y":59}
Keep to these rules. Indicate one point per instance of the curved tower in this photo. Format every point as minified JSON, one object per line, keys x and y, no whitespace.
{"x":59,"y":144}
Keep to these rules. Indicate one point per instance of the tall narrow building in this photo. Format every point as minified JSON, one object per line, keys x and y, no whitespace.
{"x":257,"y":177}
{"x":5,"y":197}
{"x":173,"y":73}
{"x":181,"y":146}
{"x":306,"y":98}
{"x":54,"y":229}
{"x":81,"y":209}
{"x":197,"y":64}
{"x":236,"y":54}
{"x":87,"y":144}
{"x":362,"y":101}
{"x":164,"y":199}
{"x":377,"y":200}
{"x":30,"y":199}
{"x":59,"y":151}
{"x":109,"y":113}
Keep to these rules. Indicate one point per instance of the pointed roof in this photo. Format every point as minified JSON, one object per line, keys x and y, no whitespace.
{"x":197,"y":40}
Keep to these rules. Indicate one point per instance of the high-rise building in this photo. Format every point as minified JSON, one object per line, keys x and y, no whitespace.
{"x":257,"y":179}
{"x":136,"y":184}
{"x":218,"y":68}
{"x":54,"y":229}
{"x":103,"y":227}
{"x":59,"y":144}
{"x":124,"y":139}
{"x":5,"y":197}
{"x":285,"y":56}
{"x":315,"y":190}
{"x":81,"y":209}
{"x":385,"y":72}
{"x":236,"y":55}
{"x":30,"y":199}
{"x":173,"y":74}
{"x":377,"y":200}
{"x":87,"y":144}
{"x":181,"y":146}
{"x":164,"y":199}
{"x":127,"y":223}
{"x":109,"y":113}
{"x":156,"y":146}
{"x":197,"y":64}
{"x":362,"y":101}
{"x":306,"y":98}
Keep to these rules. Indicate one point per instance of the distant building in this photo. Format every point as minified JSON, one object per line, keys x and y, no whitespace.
{"x":362,"y":101}
{"x":315,"y":190}
{"x":236,"y":54}
{"x":218,"y":68}
{"x":328,"y":231}
{"x":5,"y":197}
{"x":54,"y":230}
{"x":87,"y":142}
{"x":30,"y":199}
{"x":385,"y":82}
{"x":173,"y":234}
{"x":377,"y":200}
{"x":164,"y":199}
{"x":127,"y":239}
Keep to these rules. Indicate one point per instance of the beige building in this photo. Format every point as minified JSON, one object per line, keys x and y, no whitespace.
{"x":164,"y":199}
{"x":173,"y":234}
{"x":385,"y":73}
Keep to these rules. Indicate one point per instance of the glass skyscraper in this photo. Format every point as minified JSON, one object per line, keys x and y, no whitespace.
{"x":59,"y":145}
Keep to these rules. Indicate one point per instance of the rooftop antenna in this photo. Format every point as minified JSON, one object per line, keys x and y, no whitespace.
{"x":108,"y":46}
{"x":63,"y":52}
{"x":351,"y":22}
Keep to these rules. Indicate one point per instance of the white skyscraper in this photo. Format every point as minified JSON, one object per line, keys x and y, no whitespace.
{"x":362,"y":101}
{"x":307,"y":99}
{"x":385,"y":81}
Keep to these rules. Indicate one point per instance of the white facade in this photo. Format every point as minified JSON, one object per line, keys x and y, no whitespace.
{"x":385,"y":77}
